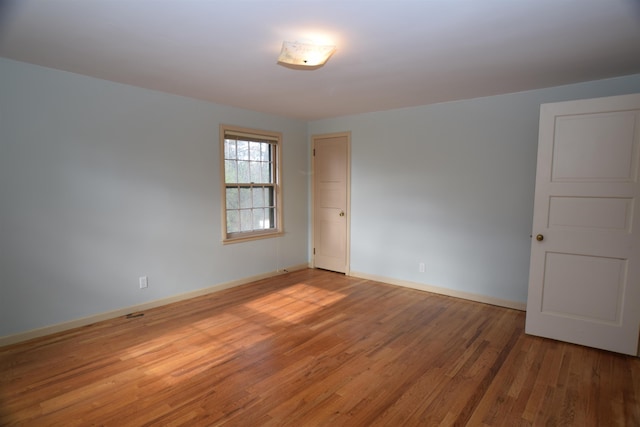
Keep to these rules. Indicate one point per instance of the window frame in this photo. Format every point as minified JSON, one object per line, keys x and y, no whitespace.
{"x":256,"y":135}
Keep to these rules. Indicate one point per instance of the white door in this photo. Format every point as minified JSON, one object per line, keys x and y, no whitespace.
{"x":584,"y":281}
{"x":331,"y":201}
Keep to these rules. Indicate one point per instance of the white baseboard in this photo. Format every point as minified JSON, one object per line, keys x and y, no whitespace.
{"x":76,"y":323}
{"x":443,"y":291}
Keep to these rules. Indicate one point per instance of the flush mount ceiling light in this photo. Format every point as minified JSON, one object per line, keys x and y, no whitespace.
{"x":304,"y":54}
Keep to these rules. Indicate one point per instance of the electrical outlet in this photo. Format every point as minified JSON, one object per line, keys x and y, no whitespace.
{"x":421,"y":267}
{"x":143,"y":282}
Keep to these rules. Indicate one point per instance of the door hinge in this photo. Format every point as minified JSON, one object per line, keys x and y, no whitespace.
{"x":314,"y":251}
{"x":314,"y":152}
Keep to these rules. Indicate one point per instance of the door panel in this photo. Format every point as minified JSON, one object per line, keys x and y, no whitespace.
{"x":572,"y":287}
{"x":331,"y":191}
{"x":584,"y":282}
{"x":603,"y":143}
{"x":612,"y":213}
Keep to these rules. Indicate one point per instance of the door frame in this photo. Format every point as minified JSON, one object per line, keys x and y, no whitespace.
{"x":346,"y":134}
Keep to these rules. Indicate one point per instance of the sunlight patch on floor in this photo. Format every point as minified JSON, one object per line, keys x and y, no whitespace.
{"x":237,"y":328}
{"x":296,"y":302}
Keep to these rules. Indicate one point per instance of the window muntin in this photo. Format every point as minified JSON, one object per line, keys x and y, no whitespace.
{"x":251,"y":196}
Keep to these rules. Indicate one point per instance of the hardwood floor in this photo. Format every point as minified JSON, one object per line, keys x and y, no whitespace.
{"x":314,"y":348}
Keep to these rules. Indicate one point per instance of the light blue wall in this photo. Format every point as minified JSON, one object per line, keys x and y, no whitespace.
{"x":101,"y":183}
{"x":451,"y":185}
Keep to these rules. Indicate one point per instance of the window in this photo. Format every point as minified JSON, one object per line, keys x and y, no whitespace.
{"x":251,"y":196}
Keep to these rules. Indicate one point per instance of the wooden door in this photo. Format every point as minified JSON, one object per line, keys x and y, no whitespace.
{"x":331,"y":201}
{"x":584,"y":281}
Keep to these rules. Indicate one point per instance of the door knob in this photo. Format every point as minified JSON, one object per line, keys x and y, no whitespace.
{"x":341,"y":213}
{"x":539,"y":237}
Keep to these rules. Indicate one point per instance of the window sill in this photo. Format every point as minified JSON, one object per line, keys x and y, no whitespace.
{"x":239,"y":237}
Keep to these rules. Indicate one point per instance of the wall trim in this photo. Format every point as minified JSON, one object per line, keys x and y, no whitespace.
{"x":76,"y":323}
{"x":443,"y":291}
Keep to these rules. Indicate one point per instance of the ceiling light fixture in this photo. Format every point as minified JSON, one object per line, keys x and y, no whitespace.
{"x":304,"y":54}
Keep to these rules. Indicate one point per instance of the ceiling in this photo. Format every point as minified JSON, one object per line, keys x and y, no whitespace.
{"x":390,"y":53}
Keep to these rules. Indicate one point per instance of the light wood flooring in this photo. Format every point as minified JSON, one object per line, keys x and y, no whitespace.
{"x":314,"y":348}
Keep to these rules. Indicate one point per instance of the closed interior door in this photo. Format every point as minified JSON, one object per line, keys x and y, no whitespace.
{"x":331,"y":201}
{"x":584,"y":283}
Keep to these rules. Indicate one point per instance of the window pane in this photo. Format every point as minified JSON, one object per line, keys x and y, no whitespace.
{"x":229,"y":148}
{"x":258,"y":197}
{"x":255,"y":150}
{"x":266,"y":152}
{"x":233,"y":198}
{"x":259,"y":220}
{"x":266,"y":172}
{"x":245,"y":198}
{"x":270,"y":218}
{"x":268,"y":196}
{"x":245,"y":220}
{"x":233,"y":221}
{"x":243,"y":172}
{"x":230,"y":171}
{"x":256,"y":173}
{"x":243,"y":150}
